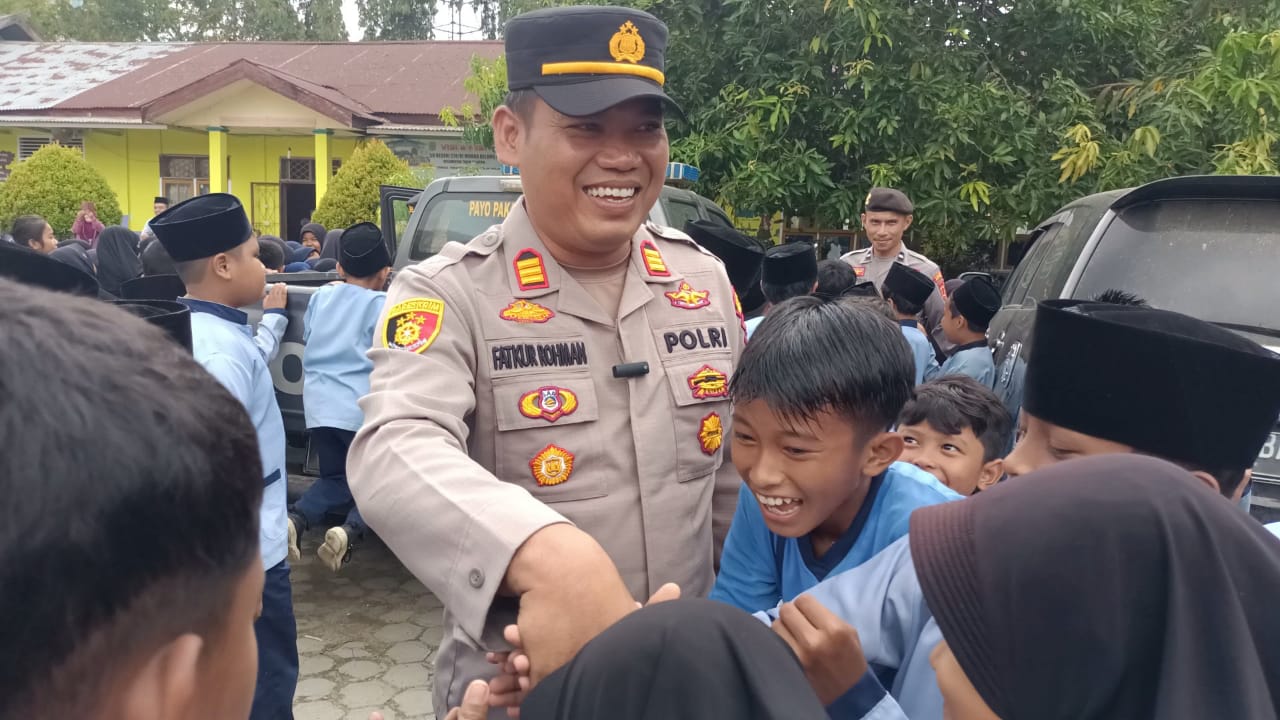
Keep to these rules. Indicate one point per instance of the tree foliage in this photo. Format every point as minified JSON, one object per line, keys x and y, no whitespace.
{"x":488,"y":84}
{"x":322,"y":20}
{"x":52,"y":183}
{"x":353,"y":192}
{"x":397,"y":19}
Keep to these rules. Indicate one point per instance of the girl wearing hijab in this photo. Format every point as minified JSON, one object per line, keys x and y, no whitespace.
{"x":332,"y":248}
{"x":87,"y":226}
{"x":76,"y":256}
{"x":118,"y":259}
{"x":311,"y":236}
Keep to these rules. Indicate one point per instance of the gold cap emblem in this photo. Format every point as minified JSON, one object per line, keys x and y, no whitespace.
{"x":626,"y":45}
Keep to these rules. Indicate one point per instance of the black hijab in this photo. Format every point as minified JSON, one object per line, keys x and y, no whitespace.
{"x":1106,"y":588}
{"x":680,"y":660}
{"x":117,"y":258}
{"x":332,"y":245}
{"x":75,"y":255}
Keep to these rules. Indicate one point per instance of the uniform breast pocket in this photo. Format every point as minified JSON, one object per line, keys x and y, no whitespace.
{"x":700,"y":389}
{"x":548,"y":436}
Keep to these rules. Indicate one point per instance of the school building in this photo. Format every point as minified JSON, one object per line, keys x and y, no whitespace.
{"x":268,"y":122}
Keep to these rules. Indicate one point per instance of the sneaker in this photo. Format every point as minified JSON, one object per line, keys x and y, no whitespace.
{"x":297,"y":526}
{"x":336,"y":551}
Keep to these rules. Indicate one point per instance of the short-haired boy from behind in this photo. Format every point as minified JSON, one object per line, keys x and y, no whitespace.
{"x":338,"y":329}
{"x":212,"y":243}
{"x":787,"y":271}
{"x":957,"y":431}
{"x":815,"y":395}
{"x":907,"y":290}
{"x":129,"y":489}
{"x":964,"y":320}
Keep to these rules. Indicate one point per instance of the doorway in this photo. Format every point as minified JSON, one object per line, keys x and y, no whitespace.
{"x":297,"y":202}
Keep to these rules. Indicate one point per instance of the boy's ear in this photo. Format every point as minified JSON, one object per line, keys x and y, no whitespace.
{"x":990,"y":474}
{"x":164,"y":684}
{"x":220,"y":265}
{"x":882,"y":450}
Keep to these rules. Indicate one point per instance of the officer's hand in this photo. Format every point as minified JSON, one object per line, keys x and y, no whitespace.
{"x":828,"y":647}
{"x":277,"y":297}
{"x":475,"y":703}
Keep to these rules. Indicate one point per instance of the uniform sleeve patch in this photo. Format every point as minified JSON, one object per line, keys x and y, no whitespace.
{"x":552,"y":466}
{"x":711,"y":434}
{"x":941,"y":283}
{"x":413,"y":324}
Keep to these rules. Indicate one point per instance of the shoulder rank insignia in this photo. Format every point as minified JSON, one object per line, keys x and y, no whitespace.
{"x":552,"y":466}
{"x":710,"y":434}
{"x":413,"y":324}
{"x":523,"y":311}
{"x":531,"y":272}
{"x":708,"y":382}
{"x":941,"y":283}
{"x":686,"y":298}
{"x":653,"y":262}
{"x":548,"y":403}
{"x":626,"y":45}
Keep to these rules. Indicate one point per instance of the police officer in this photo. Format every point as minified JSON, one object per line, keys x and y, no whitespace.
{"x":886,"y":217}
{"x":548,"y":404}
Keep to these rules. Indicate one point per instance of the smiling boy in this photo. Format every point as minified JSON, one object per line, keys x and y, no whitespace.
{"x":957,"y":431}
{"x":814,"y":397}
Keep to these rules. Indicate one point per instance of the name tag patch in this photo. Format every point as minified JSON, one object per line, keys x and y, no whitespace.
{"x":518,"y":356}
{"x":413,"y":325}
{"x":698,"y":338}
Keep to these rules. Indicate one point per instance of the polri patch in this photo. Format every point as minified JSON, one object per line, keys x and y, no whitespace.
{"x":548,"y":403}
{"x":711,"y":434}
{"x":699,"y":338}
{"x":708,"y":382}
{"x":531,"y":271}
{"x":413,"y":324}
{"x":519,"y":356}
{"x":686,"y":298}
{"x":653,"y":262}
{"x":523,"y":311}
{"x":552,"y":466}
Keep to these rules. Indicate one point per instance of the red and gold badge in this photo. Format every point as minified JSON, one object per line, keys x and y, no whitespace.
{"x":742,"y":320}
{"x":548,"y":403}
{"x":686,"y":298}
{"x":941,"y":283}
{"x":711,"y":434}
{"x":531,"y":272}
{"x":859,"y":270}
{"x":552,"y":466}
{"x":523,"y":311}
{"x":413,"y":324}
{"x":708,"y":382}
{"x":653,"y":262}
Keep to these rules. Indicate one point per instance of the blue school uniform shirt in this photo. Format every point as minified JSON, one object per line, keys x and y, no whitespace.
{"x":752,"y":324}
{"x":758,"y":568}
{"x":973,"y":360}
{"x":338,"y":330}
{"x":224,"y":344}
{"x":921,"y":350}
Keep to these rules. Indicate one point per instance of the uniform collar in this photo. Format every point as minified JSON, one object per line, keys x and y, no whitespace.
{"x":218,"y":310}
{"x":908,"y":323}
{"x":969,"y":346}
{"x":870,"y":254}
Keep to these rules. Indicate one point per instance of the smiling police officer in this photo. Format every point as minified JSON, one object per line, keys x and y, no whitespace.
{"x":548,"y":402}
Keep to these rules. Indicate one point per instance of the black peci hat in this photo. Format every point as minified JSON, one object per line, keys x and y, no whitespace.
{"x":740,"y":254}
{"x":202,"y":227}
{"x":793,"y":262}
{"x":161,"y":199}
{"x":586,"y":59}
{"x":363,"y":250}
{"x":911,"y":285}
{"x":1160,"y":382}
{"x":28,"y":266}
{"x":889,"y":200}
{"x":978,"y":301}
{"x":172,"y":317}
{"x":153,"y":287}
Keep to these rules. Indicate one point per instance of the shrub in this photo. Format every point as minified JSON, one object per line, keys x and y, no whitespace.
{"x":353,"y":192}
{"x":52,"y":183}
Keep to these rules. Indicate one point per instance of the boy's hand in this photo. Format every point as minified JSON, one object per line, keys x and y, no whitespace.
{"x":277,"y":297}
{"x":828,"y":647}
{"x":475,"y":703}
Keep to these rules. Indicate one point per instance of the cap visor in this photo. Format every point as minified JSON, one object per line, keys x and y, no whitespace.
{"x":596,"y":96}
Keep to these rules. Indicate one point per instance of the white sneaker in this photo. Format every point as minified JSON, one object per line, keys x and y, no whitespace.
{"x":295,"y":551}
{"x":336,"y":549}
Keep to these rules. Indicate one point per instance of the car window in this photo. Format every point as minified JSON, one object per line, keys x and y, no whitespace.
{"x":1061,"y":250}
{"x":715,"y":214}
{"x":1211,"y":259}
{"x":1020,"y":281}
{"x":457,"y":217}
{"x":679,"y":212}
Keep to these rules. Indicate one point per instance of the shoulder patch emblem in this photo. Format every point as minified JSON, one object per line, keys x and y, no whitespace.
{"x":708,"y":382}
{"x":548,"y":403}
{"x":742,"y":320}
{"x":710,"y":434}
{"x":552,"y":466}
{"x":941,"y":283}
{"x":859,"y":270}
{"x":653,"y":262}
{"x":523,"y":311}
{"x":413,"y":324}
{"x":531,"y":272}
{"x":686,"y":298}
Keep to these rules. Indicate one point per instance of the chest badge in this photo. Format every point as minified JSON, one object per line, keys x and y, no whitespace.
{"x":652,"y":258}
{"x":686,"y":298}
{"x":523,"y":311}
{"x":413,"y":325}
{"x":708,"y":382}
{"x":859,"y":270}
{"x":552,"y":466}
{"x":548,"y":403}
{"x":531,"y":271}
{"x":711,"y":434}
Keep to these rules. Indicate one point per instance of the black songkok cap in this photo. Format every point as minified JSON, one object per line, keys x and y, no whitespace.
{"x":790,"y":263}
{"x":911,"y":285}
{"x":977,"y":300}
{"x":1163,"y":383}
{"x":364,"y":252}
{"x":741,"y":256}
{"x":172,"y":317}
{"x":32,"y":268}
{"x":202,"y":227}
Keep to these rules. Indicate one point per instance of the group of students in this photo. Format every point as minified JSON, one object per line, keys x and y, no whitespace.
{"x":315,"y":250}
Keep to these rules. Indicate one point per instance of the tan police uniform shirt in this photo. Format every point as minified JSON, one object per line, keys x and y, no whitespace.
{"x":868,"y":266}
{"x":493,"y":412}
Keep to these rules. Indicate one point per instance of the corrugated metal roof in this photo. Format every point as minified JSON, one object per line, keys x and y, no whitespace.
{"x":40,"y":76}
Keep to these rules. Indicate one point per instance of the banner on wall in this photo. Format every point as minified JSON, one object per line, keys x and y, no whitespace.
{"x":449,"y":156}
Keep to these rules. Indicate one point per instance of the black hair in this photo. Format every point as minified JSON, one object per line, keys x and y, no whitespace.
{"x":777,"y":294}
{"x":835,"y":277}
{"x":129,"y":489}
{"x":1120,"y":297}
{"x":873,"y":303}
{"x":1228,"y":479}
{"x":156,"y":260}
{"x":811,"y":355}
{"x":955,"y":402}
{"x":955,"y":312}
{"x":27,"y":228}
{"x":521,"y":103}
{"x":903,"y":305}
{"x":271,"y":252}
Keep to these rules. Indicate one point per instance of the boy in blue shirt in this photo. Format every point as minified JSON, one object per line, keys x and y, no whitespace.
{"x":787,"y":271}
{"x":957,"y":431}
{"x":216,"y":255}
{"x":907,"y":291}
{"x":338,"y":330}
{"x":964,"y":320}
{"x":815,"y":395}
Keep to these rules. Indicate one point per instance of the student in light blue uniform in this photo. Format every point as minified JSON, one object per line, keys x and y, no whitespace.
{"x":821,"y":490}
{"x":965,"y":320}
{"x":907,"y":291}
{"x":212,"y":245}
{"x":338,"y":330}
{"x":789,"y":270}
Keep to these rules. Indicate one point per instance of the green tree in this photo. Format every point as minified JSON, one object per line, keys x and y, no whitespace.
{"x":99,"y":20}
{"x":322,"y":20}
{"x":52,"y":183}
{"x":397,"y":19}
{"x":487,"y":83}
{"x":353,"y":193}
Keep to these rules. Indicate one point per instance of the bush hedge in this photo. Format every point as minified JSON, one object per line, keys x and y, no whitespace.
{"x":353,"y":192}
{"x":52,"y":183}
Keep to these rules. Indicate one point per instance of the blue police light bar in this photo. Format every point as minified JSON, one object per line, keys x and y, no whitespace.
{"x":510,"y":170}
{"x":675,"y":171}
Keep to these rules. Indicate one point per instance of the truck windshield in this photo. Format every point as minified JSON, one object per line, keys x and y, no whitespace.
{"x":1211,"y":259}
{"x":457,"y":216}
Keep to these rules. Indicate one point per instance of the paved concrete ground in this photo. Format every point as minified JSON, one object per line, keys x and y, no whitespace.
{"x":366,"y":637}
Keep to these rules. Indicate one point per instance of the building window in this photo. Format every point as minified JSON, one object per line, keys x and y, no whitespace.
{"x":303,"y":170}
{"x":27,"y":146}
{"x":184,"y":176}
